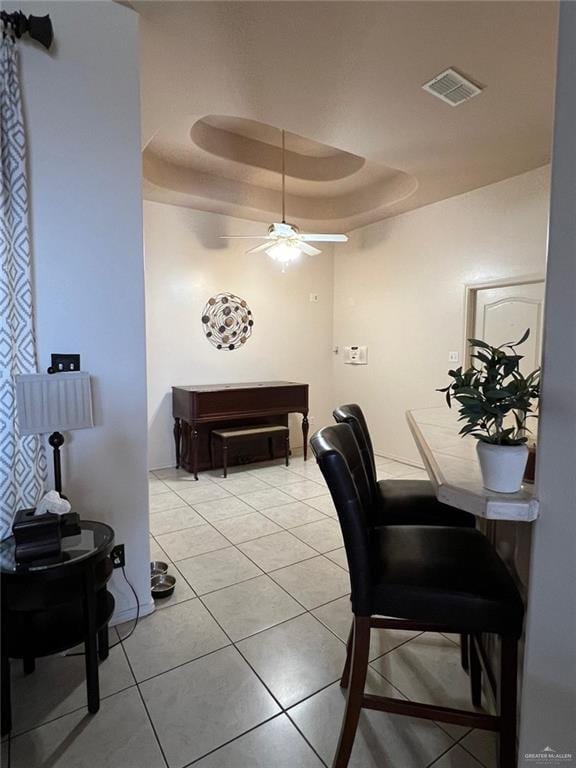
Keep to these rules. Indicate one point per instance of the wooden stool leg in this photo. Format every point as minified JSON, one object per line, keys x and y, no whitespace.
{"x":464,"y":658}
{"x":225,"y":457}
{"x":287,"y":450}
{"x":359,"y":669}
{"x":507,"y":693}
{"x":475,"y":674}
{"x":346,"y":671}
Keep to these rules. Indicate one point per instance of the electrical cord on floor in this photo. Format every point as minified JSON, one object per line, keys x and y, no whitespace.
{"x":136,"y":620}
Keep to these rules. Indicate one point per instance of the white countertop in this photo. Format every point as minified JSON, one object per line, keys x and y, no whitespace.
{"x":451,"y":462}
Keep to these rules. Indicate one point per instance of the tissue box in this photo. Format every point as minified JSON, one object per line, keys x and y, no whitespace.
{"x":36,"y":537}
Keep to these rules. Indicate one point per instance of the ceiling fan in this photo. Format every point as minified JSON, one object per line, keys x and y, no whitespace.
{"x":284,"y":242}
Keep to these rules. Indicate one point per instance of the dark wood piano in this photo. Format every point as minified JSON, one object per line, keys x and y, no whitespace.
{"x":197,"y":410}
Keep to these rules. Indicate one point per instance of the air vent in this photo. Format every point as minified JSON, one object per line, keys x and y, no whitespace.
{"x":452,"y":88}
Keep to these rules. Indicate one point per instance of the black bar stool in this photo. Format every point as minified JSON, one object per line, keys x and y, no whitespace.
{"x":399,"y":502}
{"x":402,"y":502}
{"x":432,"y":578}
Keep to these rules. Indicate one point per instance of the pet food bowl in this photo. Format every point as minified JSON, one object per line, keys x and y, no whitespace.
{"x":157,"y":568}
{"x":162,"y":585}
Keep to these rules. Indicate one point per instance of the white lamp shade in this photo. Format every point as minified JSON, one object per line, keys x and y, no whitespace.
{"x":56,"y":402}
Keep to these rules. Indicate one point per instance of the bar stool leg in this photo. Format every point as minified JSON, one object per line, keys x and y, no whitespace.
{"x":225,"y":457}
{"x":287,"y":450}
{"x":360,"y":649}
{"x":507,"y":694}
{"x":475,"y":674}
{"x":346,"y":671}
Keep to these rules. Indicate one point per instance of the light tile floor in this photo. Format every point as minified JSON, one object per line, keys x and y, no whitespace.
{"x":239,"y":668}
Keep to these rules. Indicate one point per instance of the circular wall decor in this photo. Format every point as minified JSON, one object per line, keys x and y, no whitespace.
{"x":227,"y":321}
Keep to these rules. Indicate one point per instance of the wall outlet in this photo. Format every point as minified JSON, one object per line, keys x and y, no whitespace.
{"x":314,"y":298}
{"x":118,"y":556}
{"x":62,"y":363}
{"x":453,"y":357}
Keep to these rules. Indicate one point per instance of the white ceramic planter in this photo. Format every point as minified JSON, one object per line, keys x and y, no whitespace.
{"x":502,"y":466}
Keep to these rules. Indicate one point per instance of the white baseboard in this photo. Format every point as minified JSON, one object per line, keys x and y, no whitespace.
{"x":128,"y":614}
{"x":296,"y":450}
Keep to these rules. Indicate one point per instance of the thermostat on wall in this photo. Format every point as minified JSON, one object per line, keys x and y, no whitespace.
{"x":356,"y":355}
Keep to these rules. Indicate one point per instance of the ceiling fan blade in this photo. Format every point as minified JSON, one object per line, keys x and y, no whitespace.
{"x":245,"y":237}
{"x":308,"y":249}
{"x":312,"y":238}
{"x":259,"y":248}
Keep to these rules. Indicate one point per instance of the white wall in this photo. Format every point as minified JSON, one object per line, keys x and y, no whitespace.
{"x":399,"y":288}
{"x":549,"y":694}
{"x":83,"y":118}
{"x":186,"y":263}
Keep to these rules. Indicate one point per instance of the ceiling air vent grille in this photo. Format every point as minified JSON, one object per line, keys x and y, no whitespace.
{"x":452,"y":88}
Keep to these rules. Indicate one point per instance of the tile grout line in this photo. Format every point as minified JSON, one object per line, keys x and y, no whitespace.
{"x":65,"y":714}
{"x":242,"y":515}
{"x":148,"y":715}
{"x":234,"y":644}
{"x":231,"y":741}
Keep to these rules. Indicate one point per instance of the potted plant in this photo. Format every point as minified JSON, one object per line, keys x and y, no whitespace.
{"x":496,"y":399}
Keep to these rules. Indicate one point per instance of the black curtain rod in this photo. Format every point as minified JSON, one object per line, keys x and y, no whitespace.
{"x":38,"y":27}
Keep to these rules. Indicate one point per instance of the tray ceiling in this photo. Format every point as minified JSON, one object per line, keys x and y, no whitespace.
{"x":219,"y":81}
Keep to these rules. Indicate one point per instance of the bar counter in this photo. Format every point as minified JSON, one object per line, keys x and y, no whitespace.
{"x":454,"y":470}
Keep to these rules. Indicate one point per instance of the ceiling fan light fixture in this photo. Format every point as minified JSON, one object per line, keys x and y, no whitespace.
{"x":284,"y":252}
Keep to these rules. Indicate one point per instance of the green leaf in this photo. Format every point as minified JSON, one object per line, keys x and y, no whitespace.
{"x":479,"y":343}
{"x":470,"y":391}
{"x":482,"y":357}
{"x":524,"y":337}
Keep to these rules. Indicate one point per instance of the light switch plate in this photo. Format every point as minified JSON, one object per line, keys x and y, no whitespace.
{"x":453,"y":357}
{"x":314,"y":298}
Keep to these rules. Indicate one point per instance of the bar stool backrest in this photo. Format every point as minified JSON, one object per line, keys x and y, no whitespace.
{"x":340,"y":460}
{"x":352,"y":414}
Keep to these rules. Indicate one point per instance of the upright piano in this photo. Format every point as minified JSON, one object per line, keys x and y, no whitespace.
{"x":197,"y":410}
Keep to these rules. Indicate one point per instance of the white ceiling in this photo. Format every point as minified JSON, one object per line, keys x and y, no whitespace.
{"x":341,"y":77}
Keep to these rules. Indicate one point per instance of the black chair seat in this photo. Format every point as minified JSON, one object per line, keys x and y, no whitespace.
{"x":413,"y":502}
{"x":449,"y":576}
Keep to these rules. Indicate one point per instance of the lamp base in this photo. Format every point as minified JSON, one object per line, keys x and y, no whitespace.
{"x":56,"y":441}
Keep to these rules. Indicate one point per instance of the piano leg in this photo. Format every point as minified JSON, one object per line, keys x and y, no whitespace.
{"x":177,"y":437}
{"x":195,"y":452}
{"x":305,"y":433}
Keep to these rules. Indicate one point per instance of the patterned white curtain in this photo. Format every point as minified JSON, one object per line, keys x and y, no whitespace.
{"x":22,"y":459}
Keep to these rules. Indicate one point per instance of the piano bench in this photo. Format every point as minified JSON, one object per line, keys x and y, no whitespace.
{"x":238,"y":434}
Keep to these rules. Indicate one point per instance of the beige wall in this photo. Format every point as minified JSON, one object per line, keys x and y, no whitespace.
{"x":83,"y":117}
{"x":186,"y":263}
{"x":399,"y":288}
{"x":549,"y":693}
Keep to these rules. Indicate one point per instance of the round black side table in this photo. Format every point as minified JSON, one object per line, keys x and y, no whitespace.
{"x":49,"y":608}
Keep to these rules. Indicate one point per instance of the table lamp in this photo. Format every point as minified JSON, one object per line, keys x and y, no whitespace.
{"x":55,"y":403}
